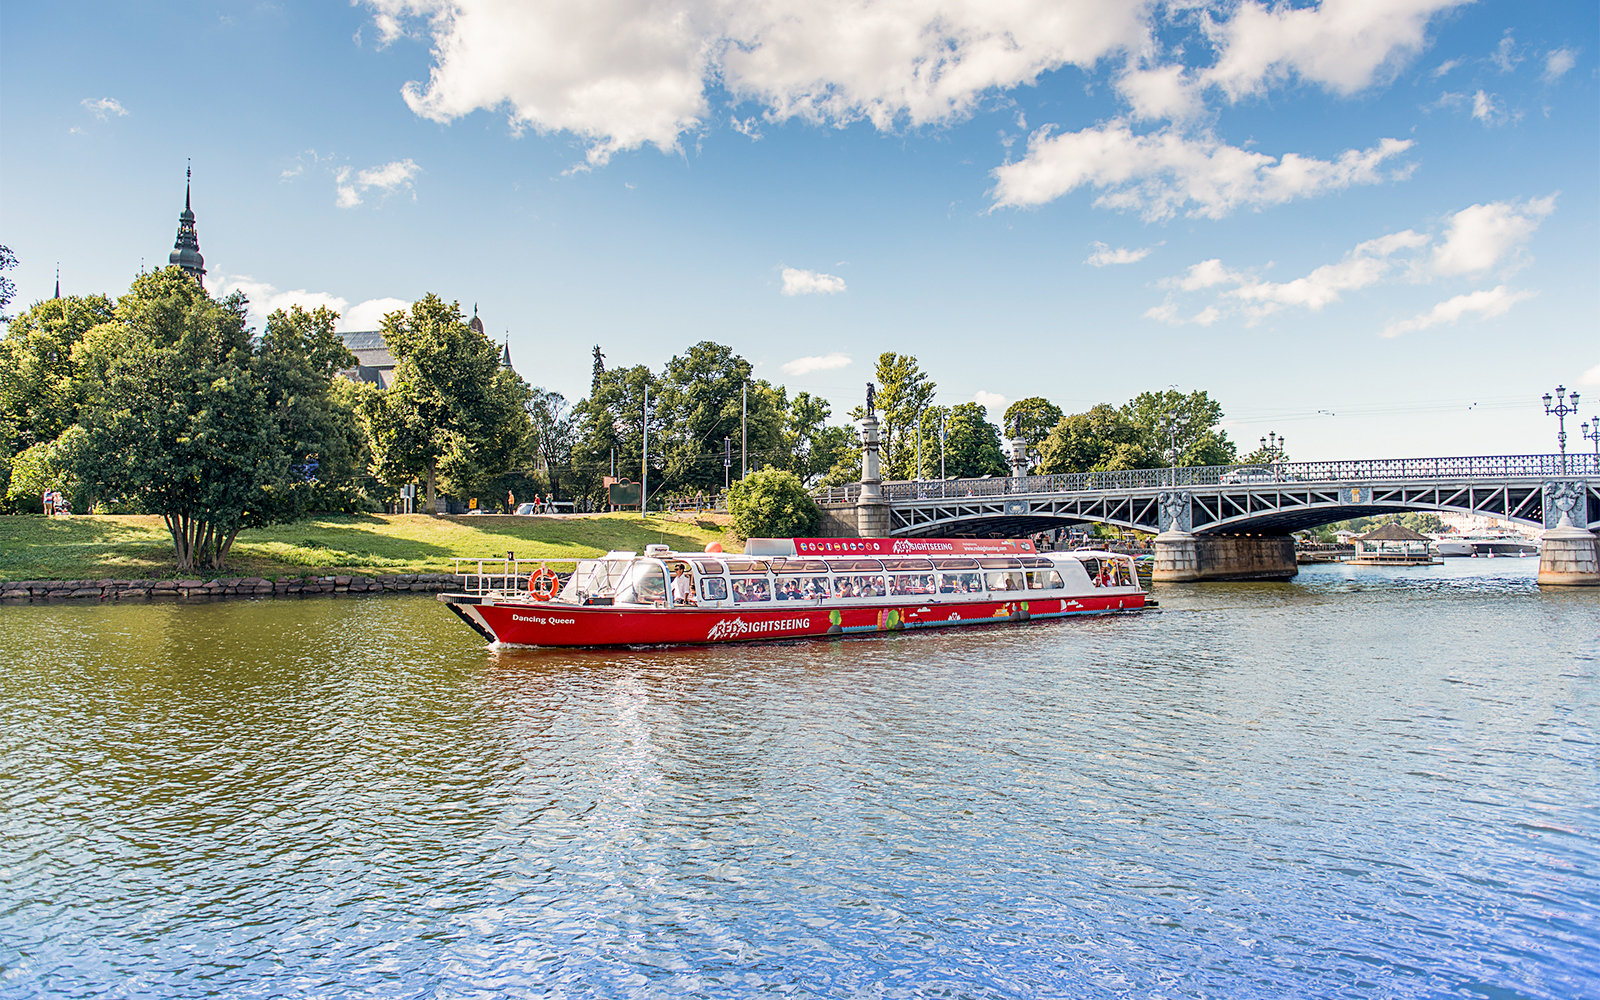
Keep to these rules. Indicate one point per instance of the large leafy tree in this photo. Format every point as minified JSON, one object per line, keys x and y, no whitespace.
{"x":905,"y":391}
{"x":1033,"y":418}
{"x":1186,"y":421}
{"x":972,"y":444}
{"x":610,"y":424}
{"x":1103,"y":438}
{"x":554,"y":432}
{"x":193,"y":419}
{"x":812,"y":445}
{"x":453,"y":417}
{"x":40,"y":391}
{"x":700,"y":406}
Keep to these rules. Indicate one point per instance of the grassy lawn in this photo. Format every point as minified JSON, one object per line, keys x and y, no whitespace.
{"x":93,"y":547}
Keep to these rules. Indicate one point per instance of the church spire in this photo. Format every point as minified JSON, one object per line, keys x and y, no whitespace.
{"x":186,"y":250}
{"x":58,"y":281}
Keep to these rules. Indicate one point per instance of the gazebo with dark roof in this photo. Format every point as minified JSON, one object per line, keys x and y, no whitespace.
{"x":1394,"y":545}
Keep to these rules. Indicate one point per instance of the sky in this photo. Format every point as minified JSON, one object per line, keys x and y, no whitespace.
{"x":1368,"y":226}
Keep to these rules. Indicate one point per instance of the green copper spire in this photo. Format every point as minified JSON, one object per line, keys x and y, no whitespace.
{"x":186,"y":251}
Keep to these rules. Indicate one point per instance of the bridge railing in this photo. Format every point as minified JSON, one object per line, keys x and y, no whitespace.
{"x":1286,"y":473}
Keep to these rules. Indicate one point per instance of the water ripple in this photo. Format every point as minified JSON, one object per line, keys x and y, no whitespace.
{"x":1354,"y":785}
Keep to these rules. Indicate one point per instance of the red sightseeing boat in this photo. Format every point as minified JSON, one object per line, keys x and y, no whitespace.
{"x":782,"y":588}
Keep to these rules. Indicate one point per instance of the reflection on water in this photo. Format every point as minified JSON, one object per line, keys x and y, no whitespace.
{"x":1368,"y":782}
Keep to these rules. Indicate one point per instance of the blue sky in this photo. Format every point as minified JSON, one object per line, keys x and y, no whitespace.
{"x":1369,"y":226}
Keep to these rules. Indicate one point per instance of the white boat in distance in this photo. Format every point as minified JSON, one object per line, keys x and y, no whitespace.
{"x":1500,"y":544}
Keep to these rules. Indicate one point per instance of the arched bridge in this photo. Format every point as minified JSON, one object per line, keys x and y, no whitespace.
{"x":1256,"y":500}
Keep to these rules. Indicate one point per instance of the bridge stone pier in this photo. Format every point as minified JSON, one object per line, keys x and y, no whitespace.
{"x":1235,"y":523}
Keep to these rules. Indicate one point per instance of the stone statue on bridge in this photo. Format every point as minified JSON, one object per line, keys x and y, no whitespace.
{"x":872,"y":400}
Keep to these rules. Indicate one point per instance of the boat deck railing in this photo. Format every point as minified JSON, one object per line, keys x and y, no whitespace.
{"x":498,"y":574}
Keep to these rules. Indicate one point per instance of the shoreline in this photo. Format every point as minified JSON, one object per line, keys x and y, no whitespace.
{"x":228,"y":586}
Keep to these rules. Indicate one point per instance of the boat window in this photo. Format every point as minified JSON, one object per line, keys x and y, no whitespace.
{"x":1005,"y":580}
{"x":598,"y":579}
{"x":799,"y":566}
{"x":713,"y":588}
{"x":1044,"y":579}
{"x":802,"y":587}
{"x":859,"y":585}
{"x":855,"y":565}
{"x":751,"y":588}
{"x":646,"y":583}
{"x":1125,"y":572}
{"x":702,"y":566}
{"x":956,"y":563}
{"x":907,"y":565}
{"x":1033,"y":562}
{"x":999,"y":564}
{"x":747,"y":565}
{"x":911,"y":584}
{"x":968,"y":581}
{"x":1101,"y":571}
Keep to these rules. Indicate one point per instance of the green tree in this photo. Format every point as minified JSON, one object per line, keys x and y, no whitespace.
{"x":904,"y":392}
{"x":40,"y":388}
{"x":1101,"y":439}
{"x":1188,"y":421}
{"x":972,"y":445}
{"x":610,"y":423}
{"x":700,"y":406}
{"x":189,"y":420}
{"x":1034,"y":418}
{"x":453,"y":416}
{"x":553,"y":434}
{"x":773,"y":503}
{"x":813,"y":447}
{"x":8,"y":288}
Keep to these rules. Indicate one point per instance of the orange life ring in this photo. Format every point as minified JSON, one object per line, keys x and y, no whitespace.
{"x":544,"y":583}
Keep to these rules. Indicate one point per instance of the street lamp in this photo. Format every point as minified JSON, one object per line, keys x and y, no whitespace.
{"x":944,"y":434}
{"x":1273,"y":445}
{"x":1561,"y":410}
{"x":1593,"y":434}
{"x":1169,"y":427}
{"x":727,"y":461}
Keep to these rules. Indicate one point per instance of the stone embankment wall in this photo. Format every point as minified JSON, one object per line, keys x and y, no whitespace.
{"x":252,"y":586}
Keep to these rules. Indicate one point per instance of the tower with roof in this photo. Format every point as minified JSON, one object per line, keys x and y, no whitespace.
{"x":186,"y":251}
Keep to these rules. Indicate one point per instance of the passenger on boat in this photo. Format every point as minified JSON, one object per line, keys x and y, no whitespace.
{"x":682,"y":585}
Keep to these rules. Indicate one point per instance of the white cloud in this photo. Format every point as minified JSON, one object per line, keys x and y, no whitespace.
{"x":992,"y":402}
{"x":104,"y":108}
{"x":1343,"y":45}
{"x":1505,"y":54}
{"x":1445,"y":67}
{"x":1486,"y":303}
{"x":1104,"y":255}
{"x":1557,"y":63}
{"x":625,"y":73}
{"x":390,"y":177}
{"x":622,"y":74}
{"x":1162,"y":92}
{"x":1479,"y":236}
{"x":265,"y":299}
{"x":1476,"y":239}
{"x":1164,"y":171}
{"x":820,"y":363}
{"x":800,"y":282}
{"x":369,"y":315}
{"x":1590,"y":377}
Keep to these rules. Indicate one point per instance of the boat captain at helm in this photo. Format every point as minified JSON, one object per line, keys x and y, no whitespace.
{"x":682,"y":586}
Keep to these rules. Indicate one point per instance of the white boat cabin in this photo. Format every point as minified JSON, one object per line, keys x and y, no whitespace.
{"x":718,"y":580}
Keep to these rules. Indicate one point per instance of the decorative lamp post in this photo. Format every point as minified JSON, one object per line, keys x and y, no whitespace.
{"x":1273,"y":445}
{"x":944,"y":435}
{"x":1561,"y":410}
{"x":1169,"y":427}
{"x":727,"y":461}
{"x":1593,"y":434}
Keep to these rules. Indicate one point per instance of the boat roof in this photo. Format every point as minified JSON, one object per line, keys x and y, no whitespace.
{"x":889,"y":547}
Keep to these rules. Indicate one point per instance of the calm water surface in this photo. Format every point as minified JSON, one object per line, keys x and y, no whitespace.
{"x":1365,"y":783}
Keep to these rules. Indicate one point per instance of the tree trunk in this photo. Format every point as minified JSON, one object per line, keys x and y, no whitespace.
{"x":428,"y":506}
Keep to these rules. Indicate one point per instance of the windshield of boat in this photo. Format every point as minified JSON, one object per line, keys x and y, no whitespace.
{"x":596,"y":580}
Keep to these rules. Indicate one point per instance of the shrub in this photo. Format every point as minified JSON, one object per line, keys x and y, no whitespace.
{"x":773,"y":503}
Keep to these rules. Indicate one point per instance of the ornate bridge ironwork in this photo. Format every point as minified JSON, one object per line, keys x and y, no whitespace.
{"x":1273,"y":500}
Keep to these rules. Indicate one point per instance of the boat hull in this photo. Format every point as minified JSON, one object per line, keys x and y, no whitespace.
{"x":532,"y":623}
